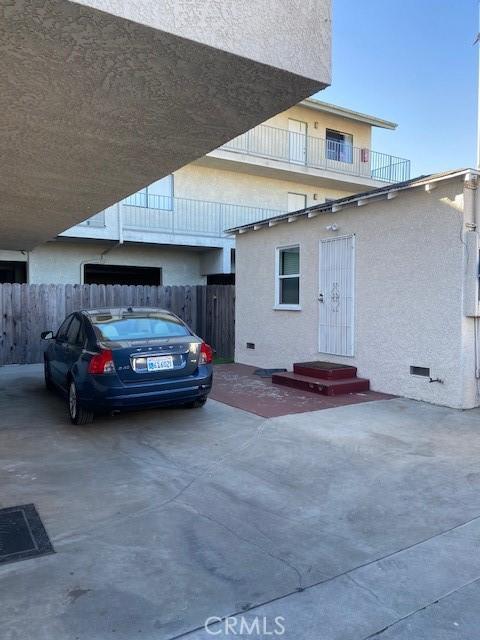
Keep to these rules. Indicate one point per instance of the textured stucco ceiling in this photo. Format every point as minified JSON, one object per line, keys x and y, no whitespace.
{"x":294,"y":35}
{"x":94,"y":106}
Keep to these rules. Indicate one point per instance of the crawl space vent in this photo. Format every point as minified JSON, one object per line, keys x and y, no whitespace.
{"x":420,"y":371}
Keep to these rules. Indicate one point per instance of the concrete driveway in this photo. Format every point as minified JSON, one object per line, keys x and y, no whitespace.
{"x":345,"y":523}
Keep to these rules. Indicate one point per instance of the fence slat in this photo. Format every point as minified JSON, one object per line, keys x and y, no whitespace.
{"x":27,"y":310}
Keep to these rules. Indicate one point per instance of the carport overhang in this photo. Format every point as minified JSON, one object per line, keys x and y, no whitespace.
{"x":100,"y":98}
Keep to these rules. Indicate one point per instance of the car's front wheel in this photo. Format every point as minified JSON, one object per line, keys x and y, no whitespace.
{"x":78,"y":414}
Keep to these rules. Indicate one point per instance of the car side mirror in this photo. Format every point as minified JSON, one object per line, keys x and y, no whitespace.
{"x":46,"y":335}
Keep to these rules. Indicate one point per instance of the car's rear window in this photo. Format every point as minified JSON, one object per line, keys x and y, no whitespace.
{"x":130,"y":327}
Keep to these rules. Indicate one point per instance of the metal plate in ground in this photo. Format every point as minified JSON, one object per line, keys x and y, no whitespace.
{"x":22,"y":534}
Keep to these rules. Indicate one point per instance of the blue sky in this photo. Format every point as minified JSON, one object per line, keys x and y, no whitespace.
{"x":411,"y":62}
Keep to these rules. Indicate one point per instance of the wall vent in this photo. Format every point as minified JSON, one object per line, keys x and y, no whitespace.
{"x":250,"y":345}
{"x":420,"y":371}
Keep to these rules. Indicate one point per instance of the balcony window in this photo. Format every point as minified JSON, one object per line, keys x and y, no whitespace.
{"x":160,"y":194}
{"x":339,"y":146}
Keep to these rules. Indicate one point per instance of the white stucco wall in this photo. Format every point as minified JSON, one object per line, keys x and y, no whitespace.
{"x":294,"y":35}
{"x":408,"y":295}
{"x":212,"y":184}
{"x":61,"y":262}
{"x":318,"y":123}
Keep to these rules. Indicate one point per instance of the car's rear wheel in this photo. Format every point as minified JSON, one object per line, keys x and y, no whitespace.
{"x":78,"y":414}
{"x":48,"y":376}
{"x":196,"y":404}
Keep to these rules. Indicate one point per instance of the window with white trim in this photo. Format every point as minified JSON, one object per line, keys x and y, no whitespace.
{"x":288,"y":277}
{"x":339,"y":146}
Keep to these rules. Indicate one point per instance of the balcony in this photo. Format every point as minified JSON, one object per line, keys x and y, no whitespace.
{"x":273,"y":143}
{"x":145,"y":216}
{"x":185,"y":216}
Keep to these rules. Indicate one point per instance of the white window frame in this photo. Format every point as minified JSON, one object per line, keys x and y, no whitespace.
{"x":339,"y":150}
{"x":278,"y":305}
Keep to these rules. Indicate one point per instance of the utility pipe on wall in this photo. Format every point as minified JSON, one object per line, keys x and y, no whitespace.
{"x":104,"y":253}
{"x":471,"y":212}
{"x":470,"y":201}
{"x":120,"y":223}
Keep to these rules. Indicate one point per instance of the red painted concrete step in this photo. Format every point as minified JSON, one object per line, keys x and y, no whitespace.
{"x":325,"y":370}
{"x":324,"y":387}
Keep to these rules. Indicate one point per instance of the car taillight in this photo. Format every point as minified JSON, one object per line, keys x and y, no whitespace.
{"x":206,"y":353}
{"x":102,"y":363}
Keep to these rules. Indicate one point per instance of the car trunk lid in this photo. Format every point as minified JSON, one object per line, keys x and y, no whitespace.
{"x":140,"y":361}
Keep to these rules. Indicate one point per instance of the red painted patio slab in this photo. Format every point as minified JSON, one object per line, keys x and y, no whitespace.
{"x":238,"y":386}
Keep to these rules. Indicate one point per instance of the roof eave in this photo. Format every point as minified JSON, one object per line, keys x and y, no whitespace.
{"x":326,"y":107}
{"x":340,"y":203}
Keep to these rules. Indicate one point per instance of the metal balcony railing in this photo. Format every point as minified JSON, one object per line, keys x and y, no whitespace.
{"x":280,"y":144}
{"x":184,"y":216}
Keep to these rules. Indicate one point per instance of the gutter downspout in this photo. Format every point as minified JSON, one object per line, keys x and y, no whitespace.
{"x":476,"y":323}
{"x":471,"y":212}
{"x":471,"y":203}
{"x":104,"y":253}
{"x":120,"y":223}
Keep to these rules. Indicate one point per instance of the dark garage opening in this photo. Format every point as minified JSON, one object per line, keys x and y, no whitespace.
{"x":221,"y":278}
{"x":121,"y":274}
{"x":13,"y":271}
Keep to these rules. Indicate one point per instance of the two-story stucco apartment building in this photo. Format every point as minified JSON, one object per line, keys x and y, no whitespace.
{"x":172,"y":232}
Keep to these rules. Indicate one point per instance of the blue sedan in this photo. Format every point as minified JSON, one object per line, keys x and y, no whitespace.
{"x":108,"y":360}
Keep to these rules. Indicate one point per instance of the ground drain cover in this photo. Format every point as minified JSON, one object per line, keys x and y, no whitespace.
{"x":22,"y":534}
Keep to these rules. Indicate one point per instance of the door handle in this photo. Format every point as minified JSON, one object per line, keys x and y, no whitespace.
{"x":320,"y":297}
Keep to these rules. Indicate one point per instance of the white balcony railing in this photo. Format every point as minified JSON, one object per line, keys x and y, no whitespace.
{"x":295,"y":148}
{"x":183,"y":216}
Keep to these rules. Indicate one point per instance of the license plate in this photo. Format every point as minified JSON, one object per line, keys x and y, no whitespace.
{"x":159,"y":363}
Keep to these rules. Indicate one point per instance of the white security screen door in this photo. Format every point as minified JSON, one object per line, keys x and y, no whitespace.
{"x":297,"y":141}
{"x":336,"y":296}
{"x":296,"y":201}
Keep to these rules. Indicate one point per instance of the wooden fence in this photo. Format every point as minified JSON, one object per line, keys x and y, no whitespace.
{"x":28,"y":309}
